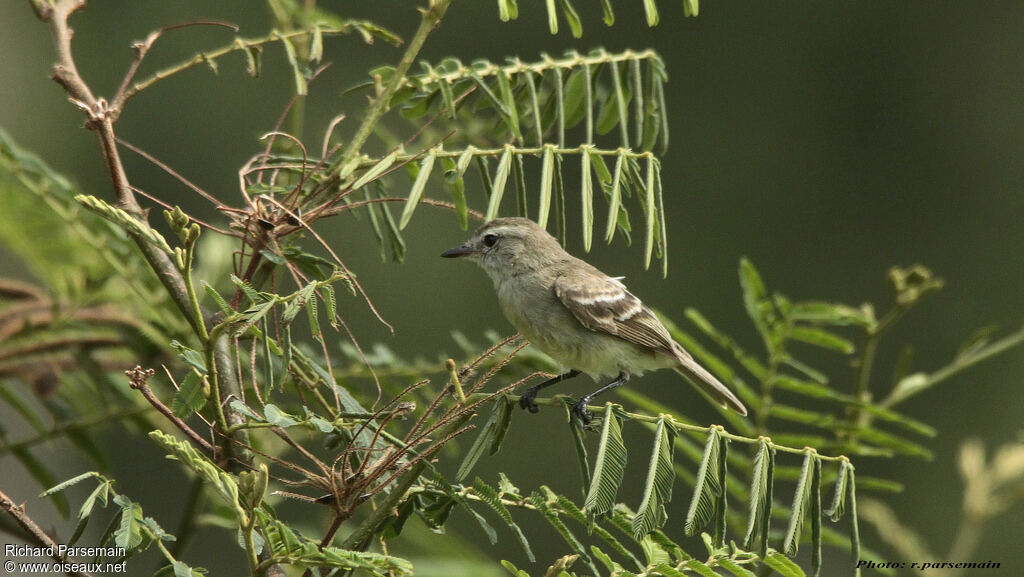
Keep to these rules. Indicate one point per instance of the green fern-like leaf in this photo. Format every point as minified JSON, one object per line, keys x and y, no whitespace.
{"x":708,"y":487}
{"x":492,"y":499}
{"x":658,"y":485}
{"x":609,"y":465}
{"x":801,"y":503}
{"x":761,"y":481}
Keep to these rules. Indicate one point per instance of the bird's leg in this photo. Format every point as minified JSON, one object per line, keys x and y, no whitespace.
{"x":526,"y":400}
{"x":580,"y":408}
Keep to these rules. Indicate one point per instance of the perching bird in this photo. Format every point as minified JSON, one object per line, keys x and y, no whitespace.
{"x":582,"y":318}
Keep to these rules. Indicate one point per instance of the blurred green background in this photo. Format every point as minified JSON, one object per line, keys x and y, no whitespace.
{"x":825,"y":141}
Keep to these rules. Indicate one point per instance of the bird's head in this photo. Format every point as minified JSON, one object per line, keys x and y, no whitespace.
{"x":509,"y":244}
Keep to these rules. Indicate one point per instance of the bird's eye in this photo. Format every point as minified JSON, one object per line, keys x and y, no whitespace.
{"x":490,"y":240}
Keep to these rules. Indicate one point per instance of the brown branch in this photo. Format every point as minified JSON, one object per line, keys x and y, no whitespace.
{"x":17,"y":512}
{"x":137,"y":380}
{"x":101,"y":119}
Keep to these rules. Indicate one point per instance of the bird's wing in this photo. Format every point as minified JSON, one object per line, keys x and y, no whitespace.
{"x":603,"y":304}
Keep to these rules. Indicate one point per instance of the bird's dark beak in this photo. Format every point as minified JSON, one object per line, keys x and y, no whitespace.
{"x":459,"y":251}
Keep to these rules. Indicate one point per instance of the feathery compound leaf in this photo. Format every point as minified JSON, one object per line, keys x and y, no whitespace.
{"x":609,"y":13}
{"x":760,"y":497}
{"x":699,"y":568}
{"x":498,"y":186}
{"x":733,"y":567}
{"x":376,"y":170}
{"x":816,"y":519}
{"x":651,"y":12}
{"x":722,"y":505}
{"x":614,"y":201}
{"x":636,"y":83}
{"x":573,"y":18}
{"x":658,"y":487}
{"x":508,"y":10}
{"x":501,"y":425}
{"x":559,"y":196}
{"x":519,"y":181}
{"x":293,"y":61}
{"x":708,"y":487}
{"x":457,"y":187}
{"x":541,"y":502}
{"x":609,"y":466}
{"x":418,"y":186}
{"x":505,"y":88}
{"x":783,"y":566}
{"x":72,"y":481}
{"x":129,"y":533}
{"x":552,"y":16}
{"x":838,"y":506}
{"x":801,"y":499}
{"x":484,"y":441}
{"x":821,"y":338}
{"x":851,"y":497}
{"x":491,"y":497}
{"x":582,"y":460}
{"x":651,"y":222}
{"x":586,"y":200}
{"x":621,"y":103}
{"x":132,"y":225}
{"x":559,"y":104}
{"x":547,"y":177}
{"x":531,"y":88}
{"x":753,"y":295}
{"x":190,"y":397}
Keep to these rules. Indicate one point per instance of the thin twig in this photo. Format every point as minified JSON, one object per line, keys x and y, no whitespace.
{"x":17,"y":512}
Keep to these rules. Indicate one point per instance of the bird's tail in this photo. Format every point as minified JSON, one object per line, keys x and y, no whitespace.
{"x":705,"y":381}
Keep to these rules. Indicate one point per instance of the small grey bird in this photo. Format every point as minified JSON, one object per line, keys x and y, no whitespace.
{"x":582,"y":318}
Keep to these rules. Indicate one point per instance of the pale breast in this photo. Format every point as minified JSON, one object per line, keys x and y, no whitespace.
{"x":549,"y":326}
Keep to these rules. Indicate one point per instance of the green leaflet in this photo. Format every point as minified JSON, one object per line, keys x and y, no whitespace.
{"x":552,"y":16}
{"x":573,"y":18}
{"x":540,"y":500}
{"x":457,"y":187}
{"x":609,"y":466}
{"x":190,"y":397}
{"x":760,"y":497}
{"x":838,"y":506}
{"x":754,"y":294}
{"x":651,"y":209}
{"x":851,"y":497}
{"x":546,"y":181}
{"x":658,"y":487}
{"x":498,"y":186}
{"x":376,"y":170}
{"x":621,"y":104}
{"x":586,"y":200}
{"x":708,"y":488}
{"x":492,"y":498}
{"x":418,"y":186}
{"x":538,"y":124}
{"x":582,"y":460}
{"x":484,"y":442}
{"x":801,"y":500}
{"x":816,"y":519}
{"x":651,"y":12}
{"x":614,"y":200}
{"x":782,"y":565}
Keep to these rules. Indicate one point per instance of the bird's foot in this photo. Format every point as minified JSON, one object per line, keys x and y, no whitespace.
{"x":526,"y":401}
{"x":579,"y":409}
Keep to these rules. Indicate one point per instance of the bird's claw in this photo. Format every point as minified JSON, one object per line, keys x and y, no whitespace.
{"x":526,"y":401}
{"x":579,"y":409}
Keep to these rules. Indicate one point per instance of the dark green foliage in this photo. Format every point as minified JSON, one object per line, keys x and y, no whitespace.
{"x":266,"y":405}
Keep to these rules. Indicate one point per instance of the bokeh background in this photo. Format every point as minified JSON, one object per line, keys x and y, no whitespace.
{"x":825,"y":141}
